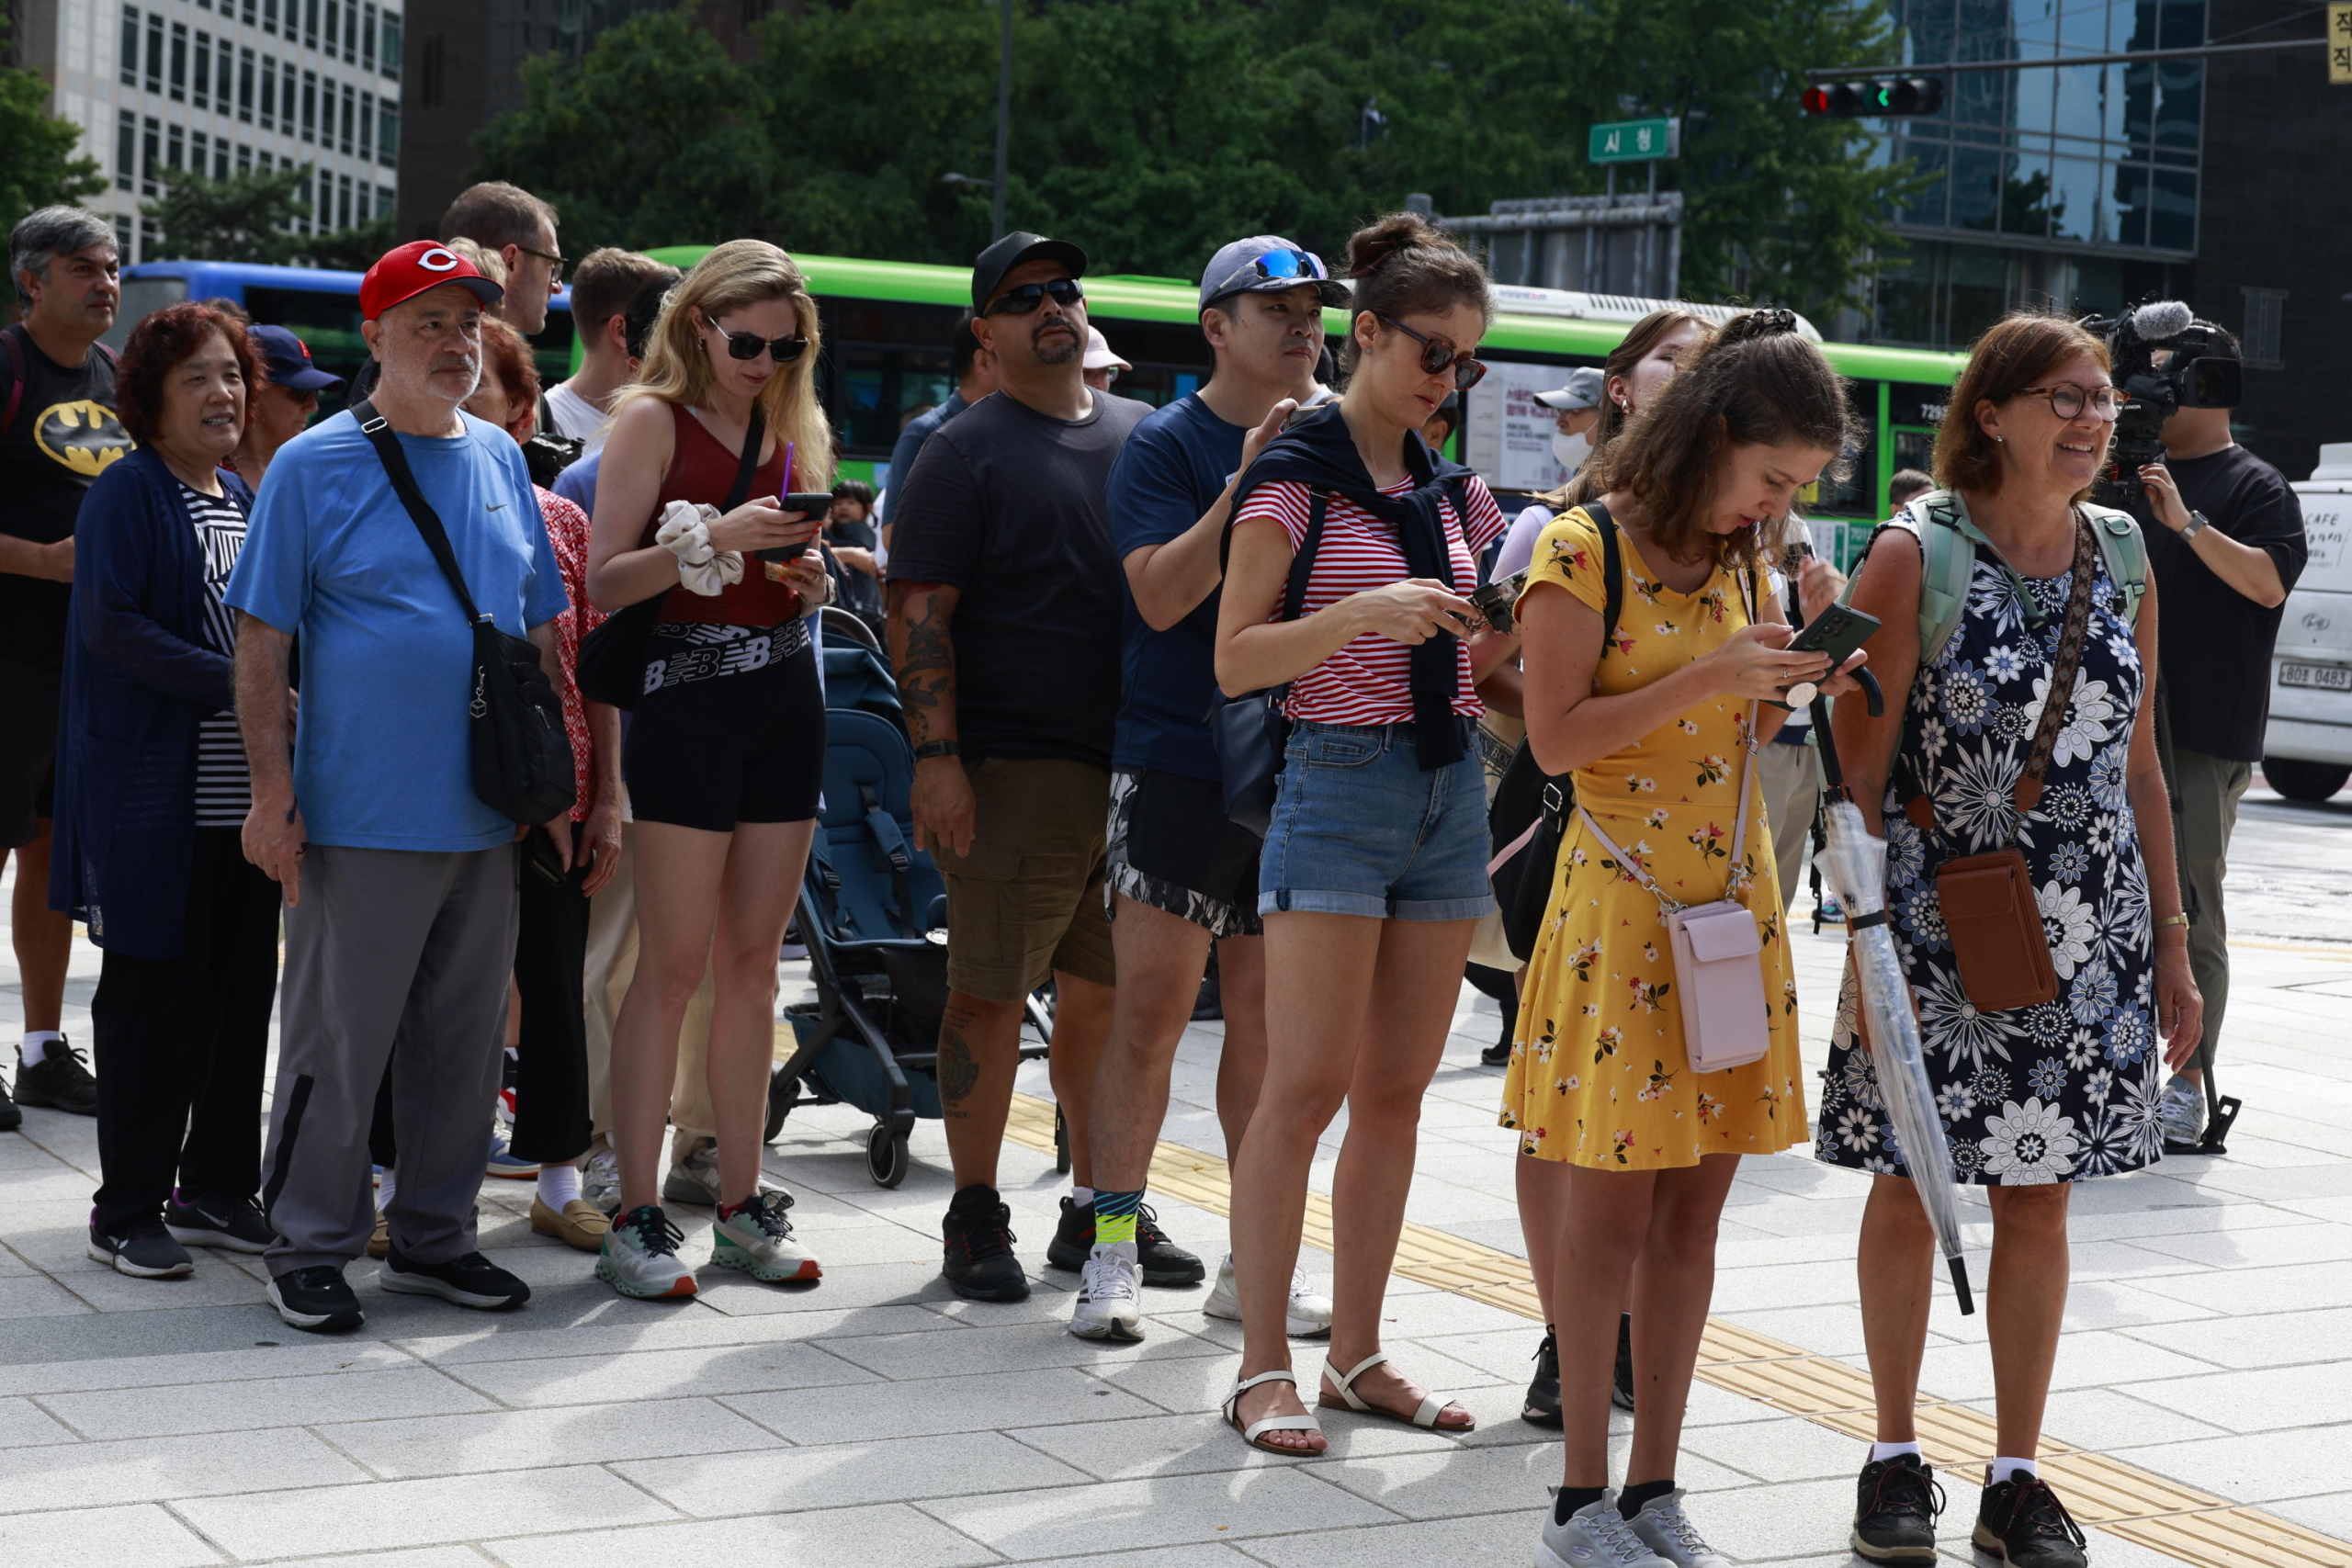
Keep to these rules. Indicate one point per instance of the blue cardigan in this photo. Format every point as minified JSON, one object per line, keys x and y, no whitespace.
{"x":137,"y":679}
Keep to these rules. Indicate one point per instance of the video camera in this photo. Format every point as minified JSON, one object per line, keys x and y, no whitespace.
{"x":2200,"y":371}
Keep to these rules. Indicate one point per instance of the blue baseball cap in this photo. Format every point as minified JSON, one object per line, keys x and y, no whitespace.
{"x":1266,"y":263}
{"x":288,"y":359}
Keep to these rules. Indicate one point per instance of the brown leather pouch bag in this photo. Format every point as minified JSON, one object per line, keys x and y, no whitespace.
{"x":1989,"y":908}
{"x":1996,"y":930}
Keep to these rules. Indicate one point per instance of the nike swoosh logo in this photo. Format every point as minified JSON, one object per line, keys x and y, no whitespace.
{"x":498,"y":506}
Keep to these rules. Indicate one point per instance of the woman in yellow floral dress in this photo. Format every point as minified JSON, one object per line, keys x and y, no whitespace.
{"x":1656,"y":727}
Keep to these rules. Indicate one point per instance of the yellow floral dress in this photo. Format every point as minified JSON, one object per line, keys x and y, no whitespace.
{"x":1598,"y":1075}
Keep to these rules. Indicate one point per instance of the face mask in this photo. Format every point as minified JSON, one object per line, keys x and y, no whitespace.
{"x":1571,"y":450}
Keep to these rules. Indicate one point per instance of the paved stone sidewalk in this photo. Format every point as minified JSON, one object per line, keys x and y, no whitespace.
{"x":874,"y":1418}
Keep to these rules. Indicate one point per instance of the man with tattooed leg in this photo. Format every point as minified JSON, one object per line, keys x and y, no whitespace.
{"x":1004,"y":636}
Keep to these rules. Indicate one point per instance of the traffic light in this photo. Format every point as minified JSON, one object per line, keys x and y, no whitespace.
{"x":1875,"y":96}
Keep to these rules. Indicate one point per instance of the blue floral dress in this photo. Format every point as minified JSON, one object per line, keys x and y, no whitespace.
{"x":2066,"y":1089}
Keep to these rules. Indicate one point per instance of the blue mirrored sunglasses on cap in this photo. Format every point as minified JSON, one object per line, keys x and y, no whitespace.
{"x":1278,"y":267}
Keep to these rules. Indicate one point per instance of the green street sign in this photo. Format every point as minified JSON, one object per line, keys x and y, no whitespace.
{"x":1636,"y":141}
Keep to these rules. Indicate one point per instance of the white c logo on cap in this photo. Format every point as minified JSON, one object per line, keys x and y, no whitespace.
{"x":437,"y":260}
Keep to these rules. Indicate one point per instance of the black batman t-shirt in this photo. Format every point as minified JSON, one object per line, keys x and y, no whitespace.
{"x":64,"y":435}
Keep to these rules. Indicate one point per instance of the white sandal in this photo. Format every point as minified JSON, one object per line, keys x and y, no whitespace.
{"x":1426,"y":1415}
{"x":1250,"y":1432}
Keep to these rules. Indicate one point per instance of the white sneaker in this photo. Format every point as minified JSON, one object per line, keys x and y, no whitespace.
{"x":2180,"y":1112}
{"x":1310,"y":1311}
{"x":1108,"y":1288}
{"x":640,"y":1257}
{"x":757,"y":1239}
{"x":1594,"y":1536}
{"x":1667,"y":1530}
{"x":600,"y":1181}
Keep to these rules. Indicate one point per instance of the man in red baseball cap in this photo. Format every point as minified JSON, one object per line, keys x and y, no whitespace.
{"x":400,"y":897}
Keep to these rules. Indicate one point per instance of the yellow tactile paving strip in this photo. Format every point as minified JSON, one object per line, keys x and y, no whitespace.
{"x":2160,"y":1514}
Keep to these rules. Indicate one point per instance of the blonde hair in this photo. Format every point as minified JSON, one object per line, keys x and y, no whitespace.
{"x":487,"y":262}
{"x":676,"y":368}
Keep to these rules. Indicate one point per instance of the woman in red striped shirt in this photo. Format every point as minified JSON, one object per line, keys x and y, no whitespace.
{"x":1374,"y":866}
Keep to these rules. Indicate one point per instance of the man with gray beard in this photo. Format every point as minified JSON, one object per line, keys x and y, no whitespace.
{"x":399,"y":884}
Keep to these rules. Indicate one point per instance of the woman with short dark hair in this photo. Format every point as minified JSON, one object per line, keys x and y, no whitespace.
{"x":2034,"y":1097}
{"x":151,"y":796}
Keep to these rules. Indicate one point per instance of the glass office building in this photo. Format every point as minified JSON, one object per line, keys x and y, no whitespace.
{"x":2075,"y":185}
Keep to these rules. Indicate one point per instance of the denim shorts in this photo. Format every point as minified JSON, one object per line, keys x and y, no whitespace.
{"x":1360,"y":829}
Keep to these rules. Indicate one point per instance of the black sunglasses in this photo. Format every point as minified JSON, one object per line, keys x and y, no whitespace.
{"x":1437,"y":353}
{"x":1029,"y":296}
{"x":747,"y":346}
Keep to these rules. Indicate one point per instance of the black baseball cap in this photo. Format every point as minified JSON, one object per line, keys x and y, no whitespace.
{"x":989,"y":270}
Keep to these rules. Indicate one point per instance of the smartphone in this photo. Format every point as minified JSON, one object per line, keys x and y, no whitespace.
{"x":1494,"y":601}
{"x":1838,"y":631}
{"x":814,"y":505}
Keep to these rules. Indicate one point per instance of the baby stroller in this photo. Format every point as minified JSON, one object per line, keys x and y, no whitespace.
{"x":872,"y":915}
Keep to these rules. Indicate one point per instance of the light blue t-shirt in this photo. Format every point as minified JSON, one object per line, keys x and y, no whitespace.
{"x":382,"y":757}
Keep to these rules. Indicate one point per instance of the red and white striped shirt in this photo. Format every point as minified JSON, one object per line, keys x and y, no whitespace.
{"x":1369,"y":682}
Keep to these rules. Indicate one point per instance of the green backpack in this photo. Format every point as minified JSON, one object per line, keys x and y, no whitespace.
{"x":1949,"y":539}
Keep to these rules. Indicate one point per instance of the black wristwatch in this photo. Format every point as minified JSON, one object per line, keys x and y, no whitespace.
{"x":930,"y":748}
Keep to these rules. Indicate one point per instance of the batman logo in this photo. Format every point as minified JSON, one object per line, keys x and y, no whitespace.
{"x":83,"y":435}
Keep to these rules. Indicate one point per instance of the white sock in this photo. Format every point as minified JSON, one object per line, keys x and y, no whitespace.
{"x":36,"y":1046}
{"x":559,"y":1184}
{"x":384,"y":1186}
{"x":1080,"y":1197}
{"x":1888,"y":1450}
{"x":2010,"y":1469}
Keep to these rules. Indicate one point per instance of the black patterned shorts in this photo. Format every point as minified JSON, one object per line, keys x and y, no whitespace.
{"x":1171,"y":847}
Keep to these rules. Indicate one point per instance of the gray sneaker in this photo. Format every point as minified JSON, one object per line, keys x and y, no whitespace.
{"x":1595,"y":1535}
{"x":694,"y":1176}
{"x":2181,"y":1112}
{"x":1667,"y":1530}
{"x":600,"y":1181}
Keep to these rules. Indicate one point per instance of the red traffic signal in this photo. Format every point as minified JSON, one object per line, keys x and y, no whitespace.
{"x":1875,"y":97}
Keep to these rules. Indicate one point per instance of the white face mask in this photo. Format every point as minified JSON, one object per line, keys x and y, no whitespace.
{"x":1571,"y":450}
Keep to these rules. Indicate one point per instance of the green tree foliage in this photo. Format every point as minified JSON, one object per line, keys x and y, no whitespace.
{"x":37,"y":167}
{"x":245,"y":218}
{"x":1152,"y":131}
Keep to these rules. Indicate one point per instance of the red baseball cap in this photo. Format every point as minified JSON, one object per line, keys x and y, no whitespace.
{"x":403,"y":274}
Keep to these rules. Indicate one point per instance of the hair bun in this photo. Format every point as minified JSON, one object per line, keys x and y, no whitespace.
{"x":1374,"y":244}
{"x":1752,"y":324}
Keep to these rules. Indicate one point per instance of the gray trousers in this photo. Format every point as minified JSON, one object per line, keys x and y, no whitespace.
{"x":2205,"y":813}
{"x":1788,"y":778}
{"x":388,"y":947}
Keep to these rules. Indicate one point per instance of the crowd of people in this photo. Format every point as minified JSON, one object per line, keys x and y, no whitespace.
{"x":1202,"y":684}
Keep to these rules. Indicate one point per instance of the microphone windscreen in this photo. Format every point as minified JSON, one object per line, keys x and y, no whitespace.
{"x":2162,"y":319}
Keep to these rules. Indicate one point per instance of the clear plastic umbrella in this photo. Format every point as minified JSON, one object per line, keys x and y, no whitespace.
{"x":1855,"y":865}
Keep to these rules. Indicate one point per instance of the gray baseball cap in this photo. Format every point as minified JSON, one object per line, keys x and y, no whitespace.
{"x":1266,"y":263}
{"x":1583,"y":391}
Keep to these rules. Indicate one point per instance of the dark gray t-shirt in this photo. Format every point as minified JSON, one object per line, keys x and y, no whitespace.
{"x":1006,"y":504}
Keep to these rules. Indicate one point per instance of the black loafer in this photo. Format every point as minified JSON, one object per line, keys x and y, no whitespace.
{"x":1895,"y":1507}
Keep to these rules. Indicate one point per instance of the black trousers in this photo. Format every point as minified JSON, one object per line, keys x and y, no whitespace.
{"x":551,"y":1117}
{"x":180,"y":1043}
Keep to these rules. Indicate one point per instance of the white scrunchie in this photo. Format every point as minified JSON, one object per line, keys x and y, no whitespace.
{"x":685,"y":533}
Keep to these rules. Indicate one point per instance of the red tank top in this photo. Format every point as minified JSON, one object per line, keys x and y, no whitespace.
{"x":702,"y":470}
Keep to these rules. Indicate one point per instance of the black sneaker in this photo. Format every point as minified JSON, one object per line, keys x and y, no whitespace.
{"x":1621,"y":1385}
{"x":1895,"y":1508}
{"x":10,"y":1117}
{"x":1166,"y":1265}
{"x":146,"y":1253}
{"x":978,"y":1247}
{"x":316,"y":1300}
{"x":234,"y":1225}
{"x":1073,"y":1241}
{"x":472,"y":1281}
{"x":59,"y":1081}
{"x":2022,"y":1522}
{"x":1543,"y":1407}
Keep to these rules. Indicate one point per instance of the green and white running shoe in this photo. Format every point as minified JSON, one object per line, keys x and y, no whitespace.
{"x":757,"y":1238}
{"x":640,"y":1256}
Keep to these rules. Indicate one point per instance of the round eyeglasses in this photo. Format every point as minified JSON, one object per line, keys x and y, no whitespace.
{"x":2067,"y":400}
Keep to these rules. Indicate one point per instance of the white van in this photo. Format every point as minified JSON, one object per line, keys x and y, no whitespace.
{"x":2307,"y":750}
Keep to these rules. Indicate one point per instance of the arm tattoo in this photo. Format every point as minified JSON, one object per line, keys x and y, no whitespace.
{"x":925,"y":659}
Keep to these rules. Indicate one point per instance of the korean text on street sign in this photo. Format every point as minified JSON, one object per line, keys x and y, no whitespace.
{"x":1636,"y":141}
{"x":2339,"y":44}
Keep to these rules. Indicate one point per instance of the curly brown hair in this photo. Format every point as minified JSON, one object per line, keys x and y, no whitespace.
{"x":163,"y":340}
{"x":507,"y":356}
{"x":1755,"y":382}
{"x":2014,"y":353}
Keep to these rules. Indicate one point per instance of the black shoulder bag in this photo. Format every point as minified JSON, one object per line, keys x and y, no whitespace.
{"x":1250,"y":731}
{"x":610,"y":665}
{"x":1530,"y":812}
{"x":521,"y":757}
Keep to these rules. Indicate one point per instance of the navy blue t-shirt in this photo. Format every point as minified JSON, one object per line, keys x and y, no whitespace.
{"x":1173,"y":471}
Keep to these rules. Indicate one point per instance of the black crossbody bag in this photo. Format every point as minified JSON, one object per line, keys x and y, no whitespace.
{"x":521,"y":757}
{"x":1530,"y":812}
{"x":1250,"y":731}
{"x":610,"y":664}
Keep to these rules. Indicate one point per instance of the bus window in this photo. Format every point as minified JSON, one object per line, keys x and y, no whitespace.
{"x":869,"y":390}
{"x":143,"y":296}
{"x":551,"y":347}
{"x":1856,"y":495}
{"x":328,"y":324}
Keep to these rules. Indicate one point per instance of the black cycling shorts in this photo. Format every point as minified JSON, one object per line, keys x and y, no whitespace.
{"x":731,"y":728}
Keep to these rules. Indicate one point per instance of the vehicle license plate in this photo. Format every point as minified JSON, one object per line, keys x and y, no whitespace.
{"x":2331,"y":677}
